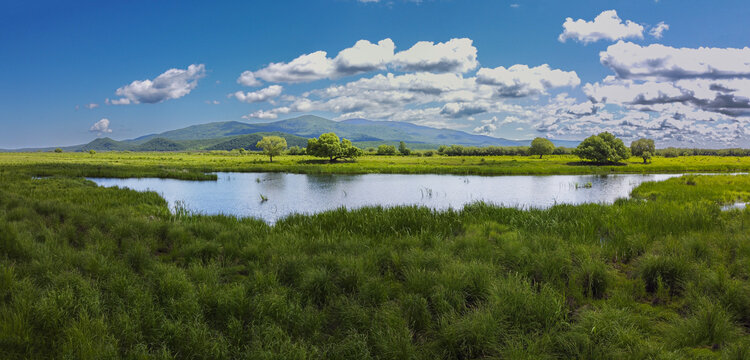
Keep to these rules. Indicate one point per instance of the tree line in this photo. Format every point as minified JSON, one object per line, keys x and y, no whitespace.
{"x":602,"y":148}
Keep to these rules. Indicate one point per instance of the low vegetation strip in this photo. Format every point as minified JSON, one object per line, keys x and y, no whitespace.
{"x":89,"y":272}
{"x":195,"y":166}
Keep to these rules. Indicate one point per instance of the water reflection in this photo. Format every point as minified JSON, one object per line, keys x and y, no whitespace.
{"x":239,"y":194}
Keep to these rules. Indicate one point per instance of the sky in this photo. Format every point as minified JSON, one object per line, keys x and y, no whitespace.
{"x":674,"y":71}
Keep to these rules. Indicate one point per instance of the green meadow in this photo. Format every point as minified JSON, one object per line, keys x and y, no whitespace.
{"x":195,"y":165}
{"x":107,"y":273}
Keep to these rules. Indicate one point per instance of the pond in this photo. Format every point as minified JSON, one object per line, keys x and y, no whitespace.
{"x":271,"y":196}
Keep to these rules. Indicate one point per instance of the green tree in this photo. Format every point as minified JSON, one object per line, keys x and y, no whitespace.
{"x":92,"y":151}
{"x":643,"y":148}
{"x":328,"y":145}
{"x":403,"y":149}
{"x":386,"y":150}
{"x":58,"y":150}
{"x":272,"y":146}
{"x":541,"y":146}
{"x":602,"y":148}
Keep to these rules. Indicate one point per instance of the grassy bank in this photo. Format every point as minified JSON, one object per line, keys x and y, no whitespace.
{"x":88,"y":272}
{"x":194,"y":165}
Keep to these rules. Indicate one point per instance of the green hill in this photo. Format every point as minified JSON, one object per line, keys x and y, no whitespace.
{"x":248,"y":142}
{"x":356,"y":130}
{"x":159,"y":144}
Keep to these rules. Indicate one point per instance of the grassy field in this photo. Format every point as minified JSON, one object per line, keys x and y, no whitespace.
{"x":105,"y":273}
{"x":195,"y":165}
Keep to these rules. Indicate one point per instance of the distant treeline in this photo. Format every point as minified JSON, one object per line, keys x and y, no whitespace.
{"x":460,"y":150}
{"x":675,"y":152}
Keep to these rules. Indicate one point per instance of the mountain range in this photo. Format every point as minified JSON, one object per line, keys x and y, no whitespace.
{"x":364,"y":133}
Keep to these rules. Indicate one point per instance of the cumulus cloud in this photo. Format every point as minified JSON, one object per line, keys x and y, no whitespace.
{"x":658,"y":30}
{"x":606,"y":26}
{"x":456,"y":55}
{"x":101,"y":127}
{"x":679,"y":96}
{"x":260,"y":95}
{"x":521,"y":80}
{"x":91,"y":106}
{"x":656,"y":61}
{"x":307,"y":67}
{"x":364,"y":56}
{"x":247,"y":78}
{"x":172,"y":84}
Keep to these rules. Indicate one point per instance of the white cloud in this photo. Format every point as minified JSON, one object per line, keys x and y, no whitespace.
{"x":658,"y":30}
{"x":455,"y":55}
{"x":486,"y":129}
{"x":606,"y":26}
{"x":521,"y":80}
{"x":172,"y":84}
{"x":656,"y":61}
{"x":247,"y":78}
{"x":308,"y":67}
{"x":364,"y":56}
{"x":101,"y":127}
{"x":260,"y":95}
{"x":91,"y":106}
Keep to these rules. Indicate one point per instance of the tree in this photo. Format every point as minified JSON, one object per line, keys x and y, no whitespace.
{"x":541,"y":146}
{"x":92,"y":151}
{"x":272,"y":146}
{"x":403,"y":149}
{"x":602,"y":148}
{"x":58,"y":150}
{"x":643,"y":148}
{"x":386,"y":150}
{"x":328,"y":145}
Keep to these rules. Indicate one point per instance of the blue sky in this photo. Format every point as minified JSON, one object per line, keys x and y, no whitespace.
{"x":482,"y":70}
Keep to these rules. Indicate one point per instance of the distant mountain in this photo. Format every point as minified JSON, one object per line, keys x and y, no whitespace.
{"x":234,"y":134}
{"x":248,"y":142}
{"x":356,"y":130}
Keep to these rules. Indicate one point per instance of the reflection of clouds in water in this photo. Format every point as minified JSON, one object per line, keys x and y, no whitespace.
{"x":238,"y":193}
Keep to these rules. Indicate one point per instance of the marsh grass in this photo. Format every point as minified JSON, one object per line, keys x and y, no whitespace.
{"x":90,"y":272}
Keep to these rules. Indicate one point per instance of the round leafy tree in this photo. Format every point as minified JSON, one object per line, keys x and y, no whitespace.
{"x":602,"y":148}
{"x":643,"y":148}
{"x":272,"y":146}
{"x":541,"y":146}
{"x":328,"y":145}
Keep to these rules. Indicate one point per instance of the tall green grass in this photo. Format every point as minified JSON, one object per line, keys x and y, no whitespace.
{"x":89,"y":272}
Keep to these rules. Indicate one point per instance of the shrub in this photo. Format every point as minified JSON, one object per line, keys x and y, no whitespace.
{"x":402,"y":149}
{"x":602,"y":148}
{"x":386,"y":150}
{"x":328,"y":145}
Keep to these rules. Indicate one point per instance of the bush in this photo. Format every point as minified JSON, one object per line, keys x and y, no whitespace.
{"x":296,"y":150}
{"x":328,"y":145}
{"x":403,"y":149}
{"x":602,"y":148}
{"x":386,"y":150}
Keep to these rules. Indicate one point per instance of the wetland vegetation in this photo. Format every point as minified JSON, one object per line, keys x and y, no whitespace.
{"x":93,"y":272}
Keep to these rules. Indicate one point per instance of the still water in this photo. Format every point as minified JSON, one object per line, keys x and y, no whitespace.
{"x":242,"y":194}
